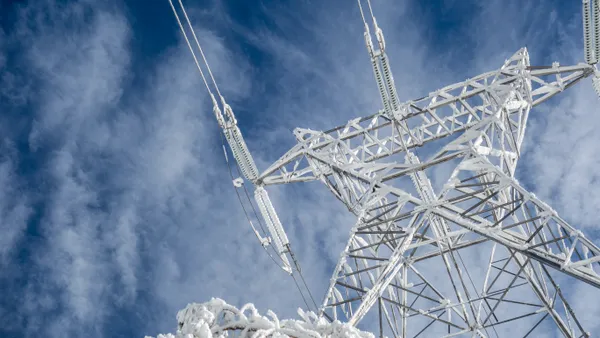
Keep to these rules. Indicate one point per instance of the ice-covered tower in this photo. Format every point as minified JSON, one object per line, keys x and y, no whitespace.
{"x":403,"y":269}
{"x":409,"y":231}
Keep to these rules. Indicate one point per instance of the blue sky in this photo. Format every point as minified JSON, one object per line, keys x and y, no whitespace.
{"x":116,"y":207}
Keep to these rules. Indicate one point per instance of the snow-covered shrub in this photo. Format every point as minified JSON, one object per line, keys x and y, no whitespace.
{"x":218,"y":319}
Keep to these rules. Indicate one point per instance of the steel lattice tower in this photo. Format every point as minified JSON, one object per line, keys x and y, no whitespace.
{"x":403,"y":223}
{"x":408,"y":227}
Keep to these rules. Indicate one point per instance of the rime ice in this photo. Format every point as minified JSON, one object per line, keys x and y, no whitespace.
{"x":219,"y":319}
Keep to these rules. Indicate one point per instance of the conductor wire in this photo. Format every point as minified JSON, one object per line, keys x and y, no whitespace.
{"x":190,"y":46}
{"x":242,"y":204}
{"x":239,"y":197}
{"x":200,"y":48}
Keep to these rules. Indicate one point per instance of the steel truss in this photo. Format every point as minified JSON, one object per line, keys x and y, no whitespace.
{"x":413,"y":264}
{"x":405,"y":228}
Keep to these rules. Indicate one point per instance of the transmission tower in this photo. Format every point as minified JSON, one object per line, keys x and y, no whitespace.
{"x":402,"y":268}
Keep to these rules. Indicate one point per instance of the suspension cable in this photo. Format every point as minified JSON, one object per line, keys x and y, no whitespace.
{"x":190,"y":46}
{"x":309,"y":292}
{"x":294,"y":258}
{"x":301,"y":293}
{"x":200,"y":48}
{"x":221,"y":134}
{"x":244,"y":208}
{"x":362,"y":14}
{"x":371,"y":10}
{"x":265,"y":247}
{"x":246,"y":193}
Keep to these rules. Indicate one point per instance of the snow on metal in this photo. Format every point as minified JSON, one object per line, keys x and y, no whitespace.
{"x":406,"y":228}
{"x":403,"y":271}
{"x":219,"y":319}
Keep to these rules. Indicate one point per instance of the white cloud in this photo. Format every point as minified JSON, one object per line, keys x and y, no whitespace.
{"x":79,"y":67}
{"x":564,"y":162}
{"x":2,"y":56}
{"x":15,"y":208}
{"x":80,"y":87}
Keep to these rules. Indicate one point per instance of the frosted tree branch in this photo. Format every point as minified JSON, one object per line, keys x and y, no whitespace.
{"x":219,"y":319}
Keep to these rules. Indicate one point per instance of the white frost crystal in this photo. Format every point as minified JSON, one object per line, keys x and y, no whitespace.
{"x":219,"y":319}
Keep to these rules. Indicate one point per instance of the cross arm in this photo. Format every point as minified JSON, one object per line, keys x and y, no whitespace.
{"x":444,"y":112}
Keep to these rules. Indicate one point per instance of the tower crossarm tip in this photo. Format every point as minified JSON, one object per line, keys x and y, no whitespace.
{"x":550,"y":81}
{"x":294,"y":166}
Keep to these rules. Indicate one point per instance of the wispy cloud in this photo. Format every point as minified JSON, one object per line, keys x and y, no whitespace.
{"x":15,"y":208}
{"x":79,"y":59}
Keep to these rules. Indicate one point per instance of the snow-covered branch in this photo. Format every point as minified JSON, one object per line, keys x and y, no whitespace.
{"x":219,"y":319}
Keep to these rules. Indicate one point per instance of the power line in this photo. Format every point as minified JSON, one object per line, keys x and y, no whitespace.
{"x":229,"y":114}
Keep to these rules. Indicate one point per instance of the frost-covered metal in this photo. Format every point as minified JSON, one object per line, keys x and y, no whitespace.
{"x":381,"y":167}
{"x":219,"y":319}
{"x":596,"y":14}
{"x":243,"y":159}
{"x":274,"y":225}
{"x":591,"y":37}
{"x":428,"y":180}
{"x":403,"y":223}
